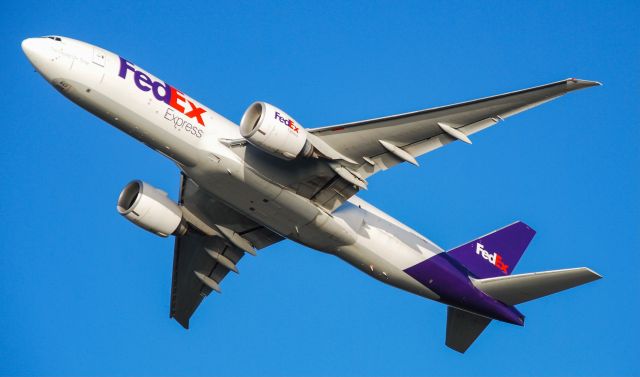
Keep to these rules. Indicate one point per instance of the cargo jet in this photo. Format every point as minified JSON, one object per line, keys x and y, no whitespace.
{"x":245,"y":188}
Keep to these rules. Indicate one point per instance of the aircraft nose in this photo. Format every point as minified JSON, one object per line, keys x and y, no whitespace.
{"x":40,"y":53}
{"x":30,"y":48}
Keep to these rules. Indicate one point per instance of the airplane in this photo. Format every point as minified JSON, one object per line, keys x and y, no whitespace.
{"x":243,"y":188}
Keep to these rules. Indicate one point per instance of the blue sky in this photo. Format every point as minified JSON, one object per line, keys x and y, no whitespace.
{"x":85,"y":293}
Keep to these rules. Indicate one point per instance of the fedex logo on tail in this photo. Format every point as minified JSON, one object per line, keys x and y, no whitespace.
{"x":493,"y":258}
{"x":162,"y":91}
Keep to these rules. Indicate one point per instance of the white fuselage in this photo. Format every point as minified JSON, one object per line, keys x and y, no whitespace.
{"x":253,"y":183}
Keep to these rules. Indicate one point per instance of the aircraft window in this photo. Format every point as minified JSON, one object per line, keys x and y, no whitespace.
{"x":57,"y":39}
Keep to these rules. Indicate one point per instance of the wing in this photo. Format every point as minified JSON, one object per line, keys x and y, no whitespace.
{"x":379,"y":144}
{"x":218,"y":237}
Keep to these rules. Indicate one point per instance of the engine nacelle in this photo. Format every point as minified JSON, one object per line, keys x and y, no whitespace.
{"x":274,"y":131}
{"x":150,"y":209}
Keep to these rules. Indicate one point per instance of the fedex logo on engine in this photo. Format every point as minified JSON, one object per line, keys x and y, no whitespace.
{"x":493,"y":258}
{"x":162,"y":91}
{"x":288,"y":122}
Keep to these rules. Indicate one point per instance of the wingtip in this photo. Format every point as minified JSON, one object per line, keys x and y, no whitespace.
{"x":579,"y":83}
{"x":595,"y":274}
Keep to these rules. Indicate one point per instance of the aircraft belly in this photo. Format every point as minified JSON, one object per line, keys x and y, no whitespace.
{"x":267,"y":203}
{"x":300,"y":220}
{"x":382,"y":269}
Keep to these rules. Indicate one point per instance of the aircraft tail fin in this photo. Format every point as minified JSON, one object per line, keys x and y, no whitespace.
{"x":496,"y":253}
{"x":463,"y":328}
{"x":516,"y":289}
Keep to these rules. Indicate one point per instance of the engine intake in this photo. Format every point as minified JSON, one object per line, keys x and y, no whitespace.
{"x":274,"y":131}
{"x":151,"y":209}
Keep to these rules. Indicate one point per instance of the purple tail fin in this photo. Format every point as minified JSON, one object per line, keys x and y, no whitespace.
{"x":495,"y":254}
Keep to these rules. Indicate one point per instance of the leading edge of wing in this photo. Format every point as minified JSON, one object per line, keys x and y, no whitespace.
{"x":571,"y":83}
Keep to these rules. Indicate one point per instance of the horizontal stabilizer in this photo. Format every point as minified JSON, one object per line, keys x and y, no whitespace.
{"x":515,"y":289}
{"x":463,"y":328}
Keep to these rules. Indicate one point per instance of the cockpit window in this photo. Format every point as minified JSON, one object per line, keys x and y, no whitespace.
{"x":57,"y":39}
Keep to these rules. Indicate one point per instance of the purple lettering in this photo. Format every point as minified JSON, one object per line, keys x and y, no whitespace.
{"x":124,"y":67}
{"x":140,"y":78}
{"x":163,"y":92}
{"x":165,"y":96}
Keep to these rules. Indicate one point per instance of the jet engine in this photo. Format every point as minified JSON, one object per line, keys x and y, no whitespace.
{"x":151,"y":209}
{"x":275,"y":132}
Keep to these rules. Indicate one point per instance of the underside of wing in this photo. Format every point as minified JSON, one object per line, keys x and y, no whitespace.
{"x":197,"y":272}
{"x":218,"y":237}
{"x":348,"y":154}
{"x":378,"y":144}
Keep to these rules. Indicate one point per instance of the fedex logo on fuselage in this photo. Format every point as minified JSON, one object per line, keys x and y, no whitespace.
{"x":288,"y":122}
{"x":162,"y":91}
{"x":493,"y":258}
